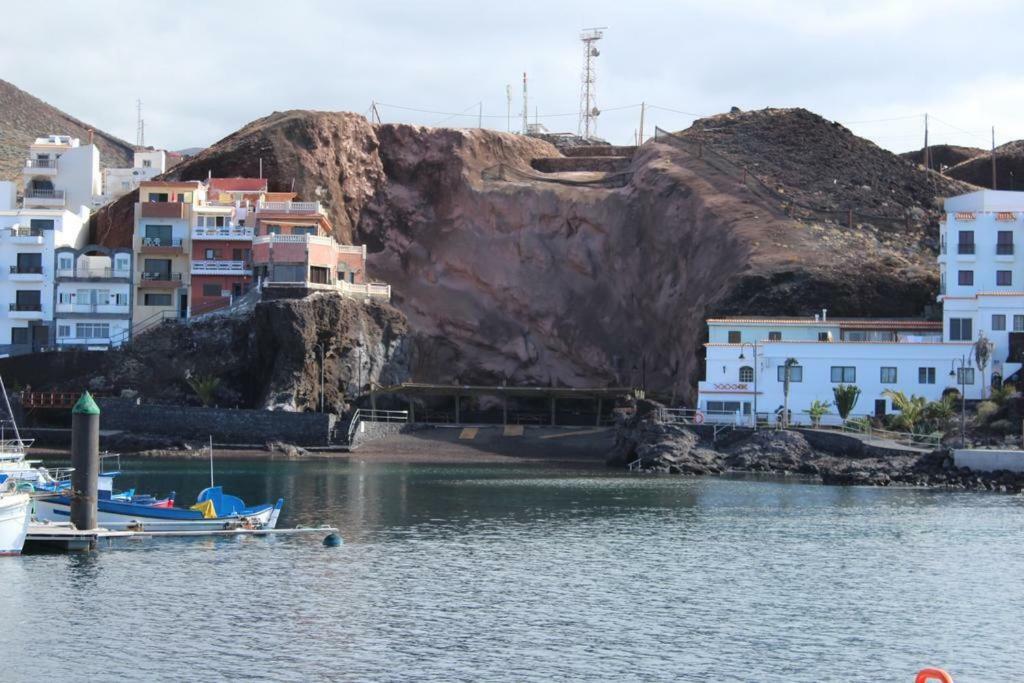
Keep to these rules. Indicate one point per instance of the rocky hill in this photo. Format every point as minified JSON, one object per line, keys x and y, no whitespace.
{"x":943,"y":155}
{"x":585,"y":277}
{"x":1009,"y":167}
{"x":23,"y":118}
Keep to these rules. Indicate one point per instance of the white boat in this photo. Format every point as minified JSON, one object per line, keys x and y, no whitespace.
{"x":15,"y":511}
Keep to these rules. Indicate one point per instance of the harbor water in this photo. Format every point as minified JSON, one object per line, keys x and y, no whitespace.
{"x":521,"y":573}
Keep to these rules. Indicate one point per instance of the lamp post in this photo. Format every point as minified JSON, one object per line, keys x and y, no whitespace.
{"x":742,"y":357}
{"x":954,"y":370}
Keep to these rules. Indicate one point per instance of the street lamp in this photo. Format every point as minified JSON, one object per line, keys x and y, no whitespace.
{"x":742,"y":357}
{"x":965,"y":362}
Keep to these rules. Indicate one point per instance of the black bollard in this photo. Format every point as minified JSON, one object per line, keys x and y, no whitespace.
{"x":332,"y":540}
{"x":85,"y":458}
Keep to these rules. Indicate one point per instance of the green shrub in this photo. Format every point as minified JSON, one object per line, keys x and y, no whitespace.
{"x":986,"y":411}
{"x":1002,"y":427}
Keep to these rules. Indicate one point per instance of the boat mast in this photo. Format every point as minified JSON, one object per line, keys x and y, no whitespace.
{"x":10,"y":414}
{"x":211,"y":461}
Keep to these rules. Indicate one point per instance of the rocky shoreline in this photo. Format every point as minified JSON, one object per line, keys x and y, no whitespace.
{"x":655,"y":446}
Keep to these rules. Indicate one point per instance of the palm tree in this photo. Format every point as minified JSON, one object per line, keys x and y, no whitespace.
{"x":786,"y":368}
{"x":205,"y":387}
{"x":846,"y":396}
{"x":982,"y":353}
{"x":912,"y":408}
{"x":818,"y":410}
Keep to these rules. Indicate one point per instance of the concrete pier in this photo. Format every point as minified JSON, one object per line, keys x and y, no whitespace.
{"x":85,"y":458}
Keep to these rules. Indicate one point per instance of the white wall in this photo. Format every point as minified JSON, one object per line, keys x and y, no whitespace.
{"x":8,"y":195}
{"x":981,"y":460}
{"x":718,"y":332}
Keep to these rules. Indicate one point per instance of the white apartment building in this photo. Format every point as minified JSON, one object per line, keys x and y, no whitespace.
{"x":146,"y":165}
{"x":61,"y":173}
{"x":28,"y":240}
{"x":982,"y":295}
{"x":92,"y":296}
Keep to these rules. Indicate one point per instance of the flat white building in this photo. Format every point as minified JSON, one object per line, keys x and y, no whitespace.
{"x":61,"y":173}
{"x":982,"y":295}
{"x":146,"y":165}
{"x":28,"y":240}
{"x":92,"y":296}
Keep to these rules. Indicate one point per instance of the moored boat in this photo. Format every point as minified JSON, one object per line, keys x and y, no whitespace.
{"x":15,"y":511}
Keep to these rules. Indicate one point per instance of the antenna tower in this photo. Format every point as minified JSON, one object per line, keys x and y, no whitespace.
{"x":588,"y":87}
{"x":140,"y":125}
{"x":526,"y":114}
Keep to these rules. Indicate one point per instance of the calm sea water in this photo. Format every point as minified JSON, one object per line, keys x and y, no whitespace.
{"x":525,"y":573}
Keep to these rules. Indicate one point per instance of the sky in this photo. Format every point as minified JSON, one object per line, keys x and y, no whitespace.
{"x":205,"y":69}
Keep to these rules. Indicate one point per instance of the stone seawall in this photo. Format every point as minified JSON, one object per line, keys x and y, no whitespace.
{"x":225,"y":426}
{"x":373,"y":431}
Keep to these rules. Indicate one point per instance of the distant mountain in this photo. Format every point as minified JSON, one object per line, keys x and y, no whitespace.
{"x":943,"y":155}
{"x":23,"y":118}
{"x":189,"y":151}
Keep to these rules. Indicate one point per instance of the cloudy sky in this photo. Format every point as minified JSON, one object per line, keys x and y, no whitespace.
{"x":203,"y":69}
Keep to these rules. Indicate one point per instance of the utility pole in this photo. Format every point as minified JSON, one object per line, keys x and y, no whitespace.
{"x":508,"y":96}
{"x":588,"y":81}
{"x":526,"y":110}
{"x":640,"y":139}
{"x":140,"y":125}
{"x":994,"y":158}
{"x":480,"y":115}
{"x":374,"y":113}
{"x":927,"y":157}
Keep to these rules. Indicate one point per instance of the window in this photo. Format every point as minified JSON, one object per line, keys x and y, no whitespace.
{"x":158,"y":196}
{"x":1004,"y":278}
{"x":1004,"y":242}
{"x":926,"y":375}
{"x":92,"y":330}
{"x":28,"y":300}
{"x":157,"y":236}
{"x":157,"y":269}
{"x":41,"y":224}
{"x":888,"y":376}
{"x":998,"y":322}
{"x":65,"y":262}
{"x":965,"y":278}
{"x":121,"y":299}
{"x":966,"y":245}
{"x":320,"y":275}
{"x":796,"y":373}
{"x":730,"y":407}
{"x":965,"y":375}
{"x":845,"y":374}
{"x":734,"y":336}
{"x":211,"y":253}
{"x":29,"y":263}
{"x":288,"y":273}
{"x":1018,"y":323}
{"x":19,"y":335}
{"x":824,"y":336}
{"x":304,"y":230}
{"x":157,"y":300}
{"x":65,"y":298}
{"x":146,"y":163}
{"x":746,"y":374}
{"x":63,"y":331}
{"x":121,"y":263}
{"x":211,"y":289}
{"x":960,"y":329}
{"x":774,"y":336}
{"x":273,"y":229}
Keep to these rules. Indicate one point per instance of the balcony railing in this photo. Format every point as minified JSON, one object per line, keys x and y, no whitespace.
{"x":215,"y":266}
{"x":963,"y":248}
{"x":108,"y":307}
{"x":160,"y":242}
{"x":22,"y":231}
{"x":161,"y":277}
{"x":26,"y":270}
{"x":293,"y":239}
{"x":92,"y":273}
{"x":224,"y":233}
{"x":37,"y":306}
{"x":35,"y":193}
{"x":1004,"y":249}
{"x":41,"y":163}
{"x":289,"y":207}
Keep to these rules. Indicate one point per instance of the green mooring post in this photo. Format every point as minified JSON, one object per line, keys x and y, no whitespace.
{"x":85,"y":458}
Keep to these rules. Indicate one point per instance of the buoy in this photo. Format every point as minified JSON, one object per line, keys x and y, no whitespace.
{"x":933,"y":674}
{"x":332,"y":540}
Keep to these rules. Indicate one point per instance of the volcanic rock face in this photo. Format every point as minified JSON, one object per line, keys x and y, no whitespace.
{"x":1009,"y":168}
{"x":586,"y":278}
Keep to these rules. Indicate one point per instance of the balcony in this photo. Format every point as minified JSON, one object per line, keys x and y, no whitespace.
{"x":174,"y":210}
{"x":94,"y":308}
{"x":163,"y":280}
{"x":295,"y":239}
{"x":160,"y":245}
{"x":290,"y":207}
{"x":26,"y":273}
{"x":232,"y":233}
{"x":35,"y":197}
{"x":1004,"y":249}
{"x":26,"y":311}
{"x":221,"y":267}
{"x":40,"y":167}
{"x":92,"y":274}
{"x":24,"y":235}
{"x":963,"y":248}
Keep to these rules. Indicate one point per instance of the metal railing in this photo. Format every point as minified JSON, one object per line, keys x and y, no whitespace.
{"x":22,"y":231}
{"x":40,"y":163}
{"x":161,"y":277}
{"x":289,"y":207}
{"x":965,"y":248}
{"x":865,"y":428}
{"x":215,"y":266}
{"x":36,"y":193}
{"x":93,"y":272}
{"x":294,"y":239}
{"x":160,"y":242}
{"x":224,"y":233}
{"x":108,"y":307}
{"x":26,"y":307}
{"x":1004,"y":249}
{"x":361,"y":415}
{"x":26,"y":270}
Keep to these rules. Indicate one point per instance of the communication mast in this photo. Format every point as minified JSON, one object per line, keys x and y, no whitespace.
{"x":526,"y":110}
{"x":588,"y":87}
{"x":140,"y":125}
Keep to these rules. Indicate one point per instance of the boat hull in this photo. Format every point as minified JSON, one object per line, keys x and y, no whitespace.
{"x":15,"y":511}
{"x":120,"y":517}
